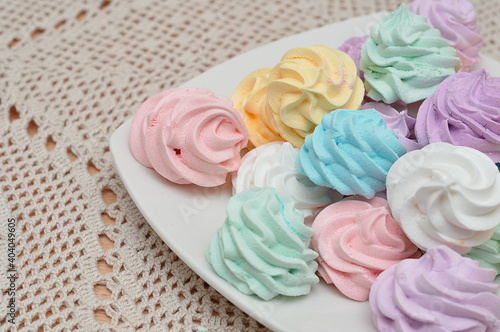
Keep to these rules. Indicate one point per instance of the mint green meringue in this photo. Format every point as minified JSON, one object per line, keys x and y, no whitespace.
{"x":405,"y":59}
{"x":263,"y":246}
{"x":488,"y":253}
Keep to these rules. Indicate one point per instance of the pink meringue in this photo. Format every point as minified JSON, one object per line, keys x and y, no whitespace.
{"x":356,"y":240}
{"x":189,"y":135}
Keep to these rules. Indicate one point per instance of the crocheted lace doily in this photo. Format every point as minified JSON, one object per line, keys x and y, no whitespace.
{"x":71,"y":72}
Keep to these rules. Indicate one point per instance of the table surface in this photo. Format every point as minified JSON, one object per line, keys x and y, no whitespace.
{"x":70,"y":74}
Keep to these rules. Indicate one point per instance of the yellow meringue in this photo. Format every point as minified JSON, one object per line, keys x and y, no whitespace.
{"x":306,"y":84}
{"x":250,"y":98}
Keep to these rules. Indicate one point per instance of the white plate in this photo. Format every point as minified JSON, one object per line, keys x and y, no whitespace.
{"x":186,"y":216}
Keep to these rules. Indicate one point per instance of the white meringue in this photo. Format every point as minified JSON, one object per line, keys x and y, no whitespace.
{"x":445,"y":194}
{"x":273,"y":165}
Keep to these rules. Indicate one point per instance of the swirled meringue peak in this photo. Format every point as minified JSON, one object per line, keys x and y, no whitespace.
{"x":457,"y":22}
{"x":445,"y":194}
{"x":441,"y":291}
{"x":488,"y":253}
{"x":397,"y":119}
{"x":352,"y":47}
{"x":273,"y":165}
{"x":356,"y":240}
{"x":250,"y":98}
{"x":262,"y":248}
{"x":405,"y":59}
{"x":189,"y":135}
{"x":464,"y":110}
{"x":350,"y":151}
{"x":307,"y":83}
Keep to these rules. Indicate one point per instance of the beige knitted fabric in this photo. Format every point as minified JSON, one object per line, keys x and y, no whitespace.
{"x":72,"y":72}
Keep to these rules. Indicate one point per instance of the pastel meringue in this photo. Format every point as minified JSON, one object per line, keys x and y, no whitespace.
{"x":189,"y":135}
{"x":262,"y":247}
{"x":352,"y":47}
{"x":457,"y":22}
{"x":488,"y":253}
{"x":397,"y":119}
{"x":307,"y":83}
{"x":464,"y":110}
{"x":441,"y":291}
{"x":445,"y":194}
{"x":405,"y":59}
{"x":273,"y":165}
{"x":350,"y":151}
{"x":356,"y":240}
{"x":250,"y":98}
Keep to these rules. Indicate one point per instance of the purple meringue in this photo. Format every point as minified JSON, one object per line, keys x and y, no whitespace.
{"x":441,"y":291}
{"x":457,"y":22}
{"x":464,"y":110}
{"x":397,"y":119}
{"x":352,"y":47}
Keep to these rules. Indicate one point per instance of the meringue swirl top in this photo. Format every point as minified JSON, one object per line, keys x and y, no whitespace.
{"x":445,"y":194}
{"x":250,"y":98}
{"x":356,"y":240}
{"x":397,"y":119}
{"x":189,"y":135}
{"x":464,"y":110}
{"x":457,"y":22}
{"x":273,"y":165}
{"x":262,"y":248}
{"x":350,"y":151}
{"x":307,"y":83}
{"x":441,"y":291}
{"x":405,"y":59}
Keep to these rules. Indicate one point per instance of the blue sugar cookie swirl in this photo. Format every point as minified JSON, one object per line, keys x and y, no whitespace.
{"x":350,"y":151}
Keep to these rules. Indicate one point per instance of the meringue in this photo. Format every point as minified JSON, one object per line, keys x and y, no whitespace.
{"x":350,"y":151}
{"x":441,"y":291}
{"x":445,"y":194}
{"x":488,"y":253}
{"x":307,"y":83}
{"x":273,"y":165}
{"x":189,"y":135}
{"x":250,"y":98}
{"x":457,"y":22}
{"x":352,"y":47}
{"x":356,"y":240}
{"x":262,"y":248}
{"x":464,"y":110}
{"x":405,"y":59}
{"x":397,"y":119}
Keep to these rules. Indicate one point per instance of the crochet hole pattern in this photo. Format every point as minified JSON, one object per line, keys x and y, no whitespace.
{"x":81,"y":15}
{"x":91,"y":168}
{"x":36,"y":33}
{"x":60,"y":24}
{"x":32,"y":128}
{"x":51,"y":144}
{"x":13,"y":43}
{"x":102,"y":292}
{"x":13,"y":114}
{"x":101,"y":316}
